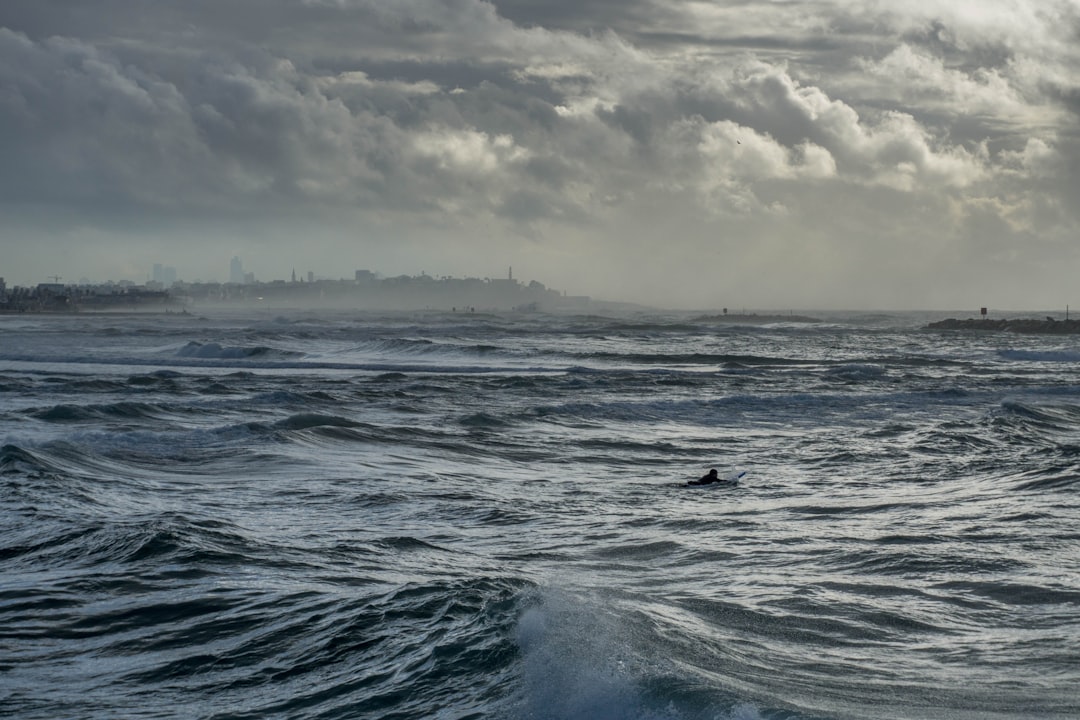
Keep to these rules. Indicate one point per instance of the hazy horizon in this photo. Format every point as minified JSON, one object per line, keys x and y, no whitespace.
{"x":593,"y":305}
{"x":678,"y":155}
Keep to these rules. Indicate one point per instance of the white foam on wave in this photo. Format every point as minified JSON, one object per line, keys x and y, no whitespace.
{"x":856,"y":372}
{"x":573,"y":668}
{"x":581,"y":660}
{"x":216,"y":351}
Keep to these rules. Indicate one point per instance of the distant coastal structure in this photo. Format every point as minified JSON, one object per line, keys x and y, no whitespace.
{"x":56,"y":297}
{"x":1032,"y":326}
{"x":365,"y":291}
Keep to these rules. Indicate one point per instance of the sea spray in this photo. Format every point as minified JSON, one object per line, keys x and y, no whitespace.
{"x":584,"y":656}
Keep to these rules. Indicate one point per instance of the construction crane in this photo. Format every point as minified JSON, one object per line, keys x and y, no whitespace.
{"x":55,"y":278}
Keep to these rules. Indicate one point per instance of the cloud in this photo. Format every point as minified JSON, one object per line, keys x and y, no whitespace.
{"x":632,"y":135}
{"x":999,"y":99}
{"x":1038,"y":159}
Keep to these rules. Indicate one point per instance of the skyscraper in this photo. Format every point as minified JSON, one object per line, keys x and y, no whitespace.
{"x":236,"y":271}
{"x":165,"y":275}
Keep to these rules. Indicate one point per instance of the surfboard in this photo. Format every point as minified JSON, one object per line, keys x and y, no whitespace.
{"x":731,"y":480}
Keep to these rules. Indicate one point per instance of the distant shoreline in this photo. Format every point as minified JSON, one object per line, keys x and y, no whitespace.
{"x":1028,"y":326}
{"x":112,"y":310}
{"x":192,"y":309}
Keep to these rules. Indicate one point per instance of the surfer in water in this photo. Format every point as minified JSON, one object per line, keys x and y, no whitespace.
{"x":708,"y":479}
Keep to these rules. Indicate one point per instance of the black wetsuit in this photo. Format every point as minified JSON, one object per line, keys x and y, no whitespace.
{"x":712,"y":477}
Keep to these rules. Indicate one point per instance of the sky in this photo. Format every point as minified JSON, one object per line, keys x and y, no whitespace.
{"x":771,"y":155}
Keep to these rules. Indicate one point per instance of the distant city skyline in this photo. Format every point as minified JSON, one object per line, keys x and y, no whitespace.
{"x":234,"y":272}
{"x":365,"y":290}
{"x":167,"y":275}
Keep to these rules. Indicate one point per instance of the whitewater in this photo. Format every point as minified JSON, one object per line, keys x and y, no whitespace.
{"x":297,"y":514}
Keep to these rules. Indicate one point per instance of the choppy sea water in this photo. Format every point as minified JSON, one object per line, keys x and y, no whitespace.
{"x":346,"y":515}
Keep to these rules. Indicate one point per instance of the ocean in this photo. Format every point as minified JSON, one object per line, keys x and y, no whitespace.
{"x":299,"y":514}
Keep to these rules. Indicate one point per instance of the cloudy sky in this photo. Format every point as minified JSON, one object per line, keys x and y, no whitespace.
{"x":761,"y":154}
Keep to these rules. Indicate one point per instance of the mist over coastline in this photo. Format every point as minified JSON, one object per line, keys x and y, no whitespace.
{"x":370,"y":291}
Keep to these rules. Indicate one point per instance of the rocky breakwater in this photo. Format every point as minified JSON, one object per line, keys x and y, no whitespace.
{"x":1049,"y":326}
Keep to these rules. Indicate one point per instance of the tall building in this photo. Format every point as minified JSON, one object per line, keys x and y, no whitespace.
{"x":236,"y":271}
{"x":164,"y":275}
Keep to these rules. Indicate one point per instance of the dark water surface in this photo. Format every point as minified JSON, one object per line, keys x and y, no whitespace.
{"x":343,"y":515}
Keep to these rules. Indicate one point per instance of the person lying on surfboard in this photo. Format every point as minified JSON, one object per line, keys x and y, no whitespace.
{"x":708,"y":479}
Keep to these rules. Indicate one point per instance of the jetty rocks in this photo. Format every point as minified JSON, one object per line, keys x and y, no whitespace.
{"x":1031,"y":326}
